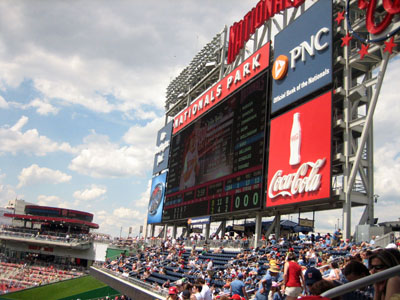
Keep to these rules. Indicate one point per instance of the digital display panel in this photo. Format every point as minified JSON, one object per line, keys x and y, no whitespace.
{"x":215,"y":163}
{"x":156,"y":199}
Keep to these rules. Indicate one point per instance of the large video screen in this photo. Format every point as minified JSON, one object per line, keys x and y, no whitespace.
{"x":215,"y":164}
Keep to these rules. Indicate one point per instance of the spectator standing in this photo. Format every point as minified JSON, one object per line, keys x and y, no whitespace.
{"x":337,"y":235}
{"x":293,"y":276}
{"x":210,"y":268}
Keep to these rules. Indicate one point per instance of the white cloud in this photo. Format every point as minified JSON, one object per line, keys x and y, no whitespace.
{"x":386,"y":137}
{"x":3,"y":103}
{"x":53,"y":201}
{"x":43,"y":107}
{"x":35,"y":174}
{"x":13,"y":140}
{"x":123,"y":49}
{"x":387,"y":168}
{"x":91,"y":193}
{"x":7,"y":192}
{"x":100,"y":158}
{"x":143,"y":202}
{"x":144,"y":135}
{"x":120,"y":217}
{"x":126,"y":213}
{"x":20,"y":124}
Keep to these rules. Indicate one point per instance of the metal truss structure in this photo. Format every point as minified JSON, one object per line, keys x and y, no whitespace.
{"x":357,"y":81}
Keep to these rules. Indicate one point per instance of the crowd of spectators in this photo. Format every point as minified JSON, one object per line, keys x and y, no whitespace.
{"x":280,"y":269}
{"x":20,"y":275}
{"x":53,"y":236}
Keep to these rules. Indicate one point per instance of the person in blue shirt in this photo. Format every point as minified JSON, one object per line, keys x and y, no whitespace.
{"x":337,"y":235}
{"x":328,"y":241}
{"x":266,"y":282}
{"x":238,"y":287}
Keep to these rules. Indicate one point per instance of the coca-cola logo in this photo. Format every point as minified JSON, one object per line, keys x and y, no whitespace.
{"x":299,"y":154}
{"x":306,"y":179}
{"x":374,"y":25}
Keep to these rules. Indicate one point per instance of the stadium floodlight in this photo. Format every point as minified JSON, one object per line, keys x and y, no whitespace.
{"x":203,"y":62}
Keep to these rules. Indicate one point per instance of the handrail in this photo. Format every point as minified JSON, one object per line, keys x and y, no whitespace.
{"x":363,"y":282}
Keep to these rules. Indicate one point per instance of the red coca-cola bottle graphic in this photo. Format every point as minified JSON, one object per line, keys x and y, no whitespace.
{"x":295,"y":140}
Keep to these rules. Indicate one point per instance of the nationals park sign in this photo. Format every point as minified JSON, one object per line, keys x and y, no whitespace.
{"x":240,"y":32}
{"x":250,"y":68}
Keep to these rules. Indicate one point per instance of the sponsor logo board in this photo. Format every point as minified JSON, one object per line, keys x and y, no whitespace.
{"x":299,"y":163}
{"x":250,"y":68}
{"x":303,"y":52}
{"x":162,"y":150}
{"x":156,"y":202}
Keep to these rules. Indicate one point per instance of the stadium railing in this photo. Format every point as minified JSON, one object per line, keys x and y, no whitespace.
{"x":386,"y":239}
{"x":51,"y":238}
{"x":363,"y":282}
{"x":135,"y":281}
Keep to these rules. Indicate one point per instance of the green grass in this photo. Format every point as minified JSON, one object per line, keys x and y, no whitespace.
{"x":58,"y":290}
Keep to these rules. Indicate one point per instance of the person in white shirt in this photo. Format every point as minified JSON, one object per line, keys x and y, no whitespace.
{"x":210,"y":268}
{"x":205,"y":291}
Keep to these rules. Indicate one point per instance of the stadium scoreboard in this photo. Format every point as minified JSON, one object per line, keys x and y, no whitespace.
{"x":216,"y":162}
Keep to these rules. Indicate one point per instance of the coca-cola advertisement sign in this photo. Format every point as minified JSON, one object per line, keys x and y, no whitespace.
{"x":299,"y":164}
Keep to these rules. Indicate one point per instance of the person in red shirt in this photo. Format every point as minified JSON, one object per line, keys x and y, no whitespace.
{"x":293,"y":277}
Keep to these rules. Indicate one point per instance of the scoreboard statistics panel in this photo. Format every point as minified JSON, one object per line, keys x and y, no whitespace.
{"x":215,"y":163}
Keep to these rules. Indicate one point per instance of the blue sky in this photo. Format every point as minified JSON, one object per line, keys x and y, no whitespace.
{"x":82,"y":93}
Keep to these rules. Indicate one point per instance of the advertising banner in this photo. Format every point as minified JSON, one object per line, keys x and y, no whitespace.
{"x":299,"y":163}
{"x":246,"y":71}
{"x":156,"y":199}
{"x":162,"y":152}
{"x":199,"y":221}
{"x":303,"y":56}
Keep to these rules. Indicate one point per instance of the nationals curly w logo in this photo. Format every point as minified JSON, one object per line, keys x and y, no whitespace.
{"x":376,"y":22}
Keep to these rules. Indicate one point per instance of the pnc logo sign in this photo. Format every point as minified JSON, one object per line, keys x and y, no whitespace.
{"x":280,"y":67}
{"x":316,"y":45}
{"x":303,"y":56}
